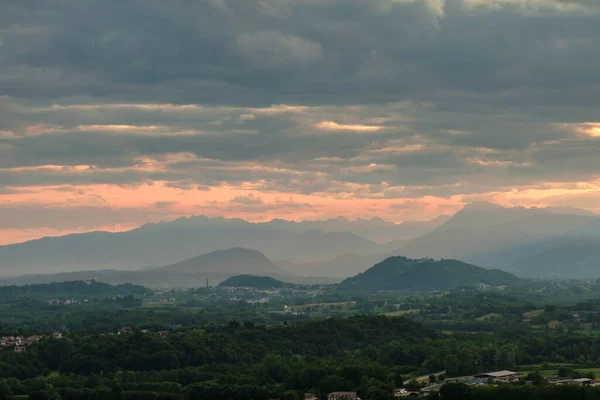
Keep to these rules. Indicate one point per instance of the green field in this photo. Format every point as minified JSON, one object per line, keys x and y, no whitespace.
{"x":546,"y":373}
{"x":323,"y":305}
{"x":401,"y":312}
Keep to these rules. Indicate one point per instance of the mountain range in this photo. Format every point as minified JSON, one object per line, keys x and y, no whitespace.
{"x":529,"y":242}
{"x":163,"y":243}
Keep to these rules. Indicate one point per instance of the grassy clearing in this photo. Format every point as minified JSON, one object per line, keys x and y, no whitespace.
{"x":157,"y":304}
{"x":489,"y":317}
{"x":595,"y":371}
{"x":532,"y":314}
{"x":546,"y":373}
{"x":401,"y":312}
{"x":324,"y":305}
{"x":554,"y":324}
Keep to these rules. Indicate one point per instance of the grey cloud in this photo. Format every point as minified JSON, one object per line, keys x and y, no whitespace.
{"x":272,"y":48}
{"x":247,"y":200}
{"x":479,"y":89}
{"x":164,"y":204}
{"x":358,"y":51}
{"x":478,"y":151}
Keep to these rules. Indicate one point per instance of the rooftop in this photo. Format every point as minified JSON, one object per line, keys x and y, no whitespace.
{"x":499,"y":374}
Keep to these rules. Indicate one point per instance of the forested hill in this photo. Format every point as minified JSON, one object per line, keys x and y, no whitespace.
{"x":70,"y":289}
{"x":401,"y":273}
{"x":257,"y":282}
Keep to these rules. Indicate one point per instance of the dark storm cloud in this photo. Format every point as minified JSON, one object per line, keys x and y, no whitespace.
{"x":263,"y":52}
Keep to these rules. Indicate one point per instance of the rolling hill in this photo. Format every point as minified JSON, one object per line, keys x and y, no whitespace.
{"x":401,"y":273}
{"x":257,"y":282}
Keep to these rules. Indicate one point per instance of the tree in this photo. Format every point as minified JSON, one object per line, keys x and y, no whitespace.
{"x":117,"y":392}
{"x":465,"y":361}
{"x":378,"y":393}
{"x":535,"y":377}
{"x":454,"y":391}
{"x":413,"y":385}
{"x":451,"y":365}
{"x":290,"y":395}
{"x":399,"y":381}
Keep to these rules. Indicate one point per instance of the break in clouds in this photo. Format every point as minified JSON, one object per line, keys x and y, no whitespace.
{"x":114,"y":113}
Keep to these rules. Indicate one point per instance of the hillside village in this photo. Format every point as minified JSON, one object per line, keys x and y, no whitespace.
{"x":20,"y":344}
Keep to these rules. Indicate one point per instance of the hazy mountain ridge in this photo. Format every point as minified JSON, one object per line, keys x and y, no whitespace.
{"x":339,"y":267}
{"x":567,"y":257}
{"x":142,"y":247}
{"x":374,"y":229}
{"x":483,"y":233}
{"x":401,"y":273}
{"x":211,"y":268}
{"x":515,"y":239}
{"x":165,"y":242}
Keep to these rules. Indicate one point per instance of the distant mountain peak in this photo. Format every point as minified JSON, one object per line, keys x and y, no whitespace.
{"x":235,"y":260}
{"x":482,"y":206}
{"x":486,"y":206}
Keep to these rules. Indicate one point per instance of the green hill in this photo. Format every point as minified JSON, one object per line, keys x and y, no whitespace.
{"x":401,"y":273}
{"x":257,"y":282}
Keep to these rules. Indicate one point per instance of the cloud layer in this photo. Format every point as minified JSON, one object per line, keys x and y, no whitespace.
{"x":116,"y":113}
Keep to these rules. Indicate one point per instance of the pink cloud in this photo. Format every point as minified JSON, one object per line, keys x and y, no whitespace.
{"x":334,"y":126}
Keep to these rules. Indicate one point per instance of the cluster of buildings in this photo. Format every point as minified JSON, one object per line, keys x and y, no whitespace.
{"x":333,"y":396}
{"x":479,"y":379}
{"x":126,"y":330}
{"x":579,"y":381}
{"x":57,"y":302}
{"x":257,"y":295}
{"x":19,"y":344}
{"x":342,"y":396}
{"x":579,"y":314}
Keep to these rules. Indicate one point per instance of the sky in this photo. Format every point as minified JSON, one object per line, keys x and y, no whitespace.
{"x":115,"y":113}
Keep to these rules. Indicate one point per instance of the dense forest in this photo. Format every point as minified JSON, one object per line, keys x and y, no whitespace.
{"x":244,"y":342}
{"x":365,"y":354}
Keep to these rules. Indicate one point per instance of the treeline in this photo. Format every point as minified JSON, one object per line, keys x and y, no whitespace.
{"x":107,"y":315}
{"x":69,"y":289}
{"x":73,"y":389}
